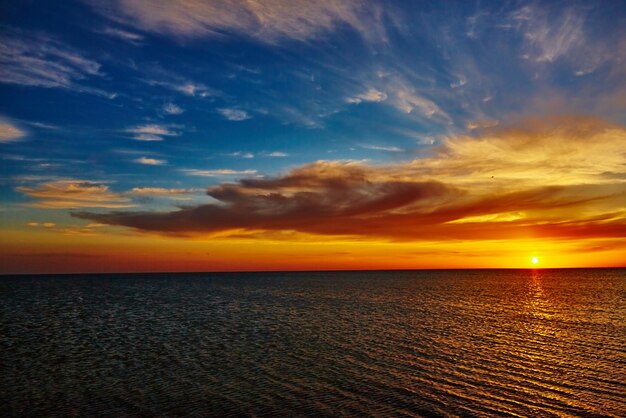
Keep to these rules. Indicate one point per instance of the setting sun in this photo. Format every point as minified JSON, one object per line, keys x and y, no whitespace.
{"x":534,"y":260}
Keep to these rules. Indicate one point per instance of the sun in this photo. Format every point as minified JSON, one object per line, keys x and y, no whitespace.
{"x":534,"y":260}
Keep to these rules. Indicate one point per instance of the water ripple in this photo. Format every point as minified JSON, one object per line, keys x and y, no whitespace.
{"x":406,"y":344}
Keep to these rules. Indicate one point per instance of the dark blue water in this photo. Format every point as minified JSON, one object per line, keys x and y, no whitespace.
{"x":418,"y":343}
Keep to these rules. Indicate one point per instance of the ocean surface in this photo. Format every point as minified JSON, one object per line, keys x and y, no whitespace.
{"x":407,"y":343}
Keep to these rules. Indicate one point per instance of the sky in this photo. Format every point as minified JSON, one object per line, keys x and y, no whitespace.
{"x":232,"y":135}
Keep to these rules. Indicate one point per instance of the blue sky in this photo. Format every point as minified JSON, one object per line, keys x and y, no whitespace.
{"x":144,"y":104}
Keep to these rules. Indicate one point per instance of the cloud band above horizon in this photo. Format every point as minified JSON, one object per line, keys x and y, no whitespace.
{"x":548,"y":177}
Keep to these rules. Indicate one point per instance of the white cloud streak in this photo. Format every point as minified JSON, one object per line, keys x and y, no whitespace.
{"x":548,"y":39}
{"x":35,"y":59}
{"x":242,"y":154}
{"x":382,"y":148}
{"x":151,"y":132}
{"x":276,"y":154}
{"x":150,"y":161}
{"x":130,"y":37}
{"x":235,"y":115}
{"x":161,"y":191}
{"x":173,"y":109}
{"x":222,"y":172}
{"x":183,"y":86}
{"x":550,"y":36}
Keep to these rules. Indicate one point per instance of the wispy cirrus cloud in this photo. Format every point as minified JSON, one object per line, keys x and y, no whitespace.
{"x":276,"y":154}
{"x":42,"y":125}
{"x":371,"y":95}
{"x":173,"y":109}
{"x":267,"y":21}
{"x":37,"y":59}
{"x":386,"y":148}
{"x":407,"y":99}
{"x":151,"y":132}
{"x":149,"y":161}
{"x":221,"y":172}
{"x":161,"y":191}
{"x":9,"y":132}
{"x":566,"y":34}
{"x":404,"y":95}
{"x":41,"y":224}
{"x":552,"y":178}
{"x":242,"y":154}
{"x":191,"y":89}
{"x":125,"y":35}
{"x":86,"y":230}
{"x":233,"y":114}
{"x":481,"y":124}
{"x":183,"y":86}
{"x":71,"y":193}
{"x":548,"y":39}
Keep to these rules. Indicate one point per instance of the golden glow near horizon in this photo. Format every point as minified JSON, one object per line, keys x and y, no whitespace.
{"x":44,"y":250}
{"x":534,"y":260}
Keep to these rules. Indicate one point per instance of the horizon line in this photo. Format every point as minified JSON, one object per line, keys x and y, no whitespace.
{"x":306,"y":271}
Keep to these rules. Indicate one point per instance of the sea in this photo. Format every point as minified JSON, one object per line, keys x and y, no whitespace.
{"x":524,"y":343}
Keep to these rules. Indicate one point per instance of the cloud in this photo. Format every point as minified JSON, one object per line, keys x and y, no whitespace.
{"x":69,"y":194}
{"x":146,"y":194}
{"x":403,"y":94}
{"x":151,"y":132}
{"x":172,"y":109}
{"x":372,"y":95}
{"x":276,"y":154}
{"x":149,"y":161}
{"x":87,"y":230}
{"x":566,"y":150}
{"x":9,"y":132}
{"x":36,"y":59}
{"x":312,"y":195}
{"x":147,"y":137}
{"x":547,"y":38}
{"x":183,"y":86}
{"x":234,"y":114}
{"x":241,"y":154}
{"x":160,"y":191}
{"x":417,"y":136}
{"x":544,"y":178}
{"x":41,"y":224}
{"x":382,"y":148}
{"x":192,"y":89}
{"x":459,"y":83}
{"x":267,"y":21}
{"x":130,"y":37}
{"x":566,"y":34}
{"x":408,"y":100}
{"x":223,"y":172}
{"x":481,"y":124}
{"x":43,"y":125}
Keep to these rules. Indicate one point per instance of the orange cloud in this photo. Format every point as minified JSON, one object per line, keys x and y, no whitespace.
{"x":70,"y":194}
{"x":160,"y":191}
{"x":9,"y":132}
{"x":266,"y":20}
{"x":560,"y":178}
